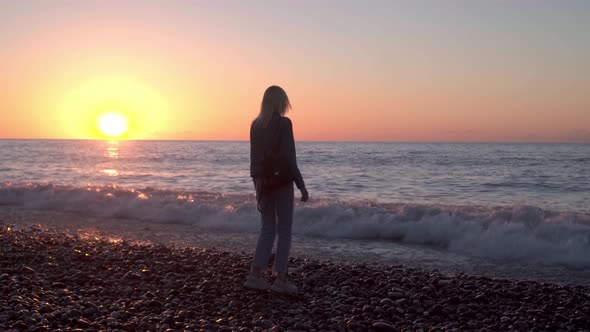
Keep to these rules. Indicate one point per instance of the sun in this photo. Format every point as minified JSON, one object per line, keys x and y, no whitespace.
{"x":112,"y":124}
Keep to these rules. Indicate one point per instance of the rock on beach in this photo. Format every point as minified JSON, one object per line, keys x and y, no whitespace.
{"x":53,"y":281}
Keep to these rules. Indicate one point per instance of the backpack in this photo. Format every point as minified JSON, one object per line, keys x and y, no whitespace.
{"x":274,"y":167}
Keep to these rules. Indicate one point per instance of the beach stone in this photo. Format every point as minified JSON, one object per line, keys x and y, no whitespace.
{"x":481,"y":298}
{"x":383,"y":327}
{"x":168,"y":320}
{"x":88,"y":312}
{"x":83,"y":323}
{"x":133,"y":276}
{"x":116,"y":315}
{"x":301,"y":326}
{"x":400,"y":302}
{"x":266,"y":323}
{"x":75,"y":313}
{"x":210,"y":327}
{"x":27,"y":269}
{"x":182,"y":314}
{"x":395,"y":295}
{"x":521,"y":325}
{"x":257,"y":306}
{"x":45,"y":308}
{"x":454,"y":300}
{"x":19,"y":325}
{"x":36,"y":316}
{"x":207,"y":284}
{"x":155,"y":304}
{"x":560,"y":317}
{"x":387,"y":302}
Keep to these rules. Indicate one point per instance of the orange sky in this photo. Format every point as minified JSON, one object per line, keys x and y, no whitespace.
{"x":386,"y":72}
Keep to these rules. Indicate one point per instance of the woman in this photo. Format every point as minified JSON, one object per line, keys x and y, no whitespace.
{"x":273,"y":167}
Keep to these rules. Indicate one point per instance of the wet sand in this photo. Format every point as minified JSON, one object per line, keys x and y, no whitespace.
{"x":51,"y":280}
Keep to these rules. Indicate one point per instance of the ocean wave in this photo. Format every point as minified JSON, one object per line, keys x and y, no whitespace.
{"x":519,"y":232}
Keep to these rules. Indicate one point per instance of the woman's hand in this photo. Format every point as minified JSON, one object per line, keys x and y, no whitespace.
{"x":304,"y":194}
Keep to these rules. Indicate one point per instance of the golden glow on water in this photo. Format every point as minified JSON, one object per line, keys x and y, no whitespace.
{"x":113,"y":149}
{"x":111,"y":172}
{"x":112,"y":152}
{"x":188,"y":198}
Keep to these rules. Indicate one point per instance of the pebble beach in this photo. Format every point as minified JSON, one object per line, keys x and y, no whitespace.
{"x":53,"y":281}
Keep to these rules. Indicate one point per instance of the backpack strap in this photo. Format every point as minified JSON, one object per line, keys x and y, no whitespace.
{"x":277,"y":136}
{"x":275,"y":145}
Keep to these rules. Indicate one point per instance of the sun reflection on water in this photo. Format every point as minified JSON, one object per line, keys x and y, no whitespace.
{"x":112,"y":152}
{"x":111,"y":172}
{"x":188,"y":198}
{"x":113,"y":149}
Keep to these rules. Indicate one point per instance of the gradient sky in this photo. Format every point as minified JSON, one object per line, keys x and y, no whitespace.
{"x":354,"y":70}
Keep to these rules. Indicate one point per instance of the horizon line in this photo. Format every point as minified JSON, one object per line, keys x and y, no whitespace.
{"x":302,"y":141}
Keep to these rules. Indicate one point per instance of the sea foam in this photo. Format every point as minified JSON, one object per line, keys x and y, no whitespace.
{"x":514,"y":233}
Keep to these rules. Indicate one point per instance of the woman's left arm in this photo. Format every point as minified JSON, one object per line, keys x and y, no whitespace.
{"x":288,"y":148}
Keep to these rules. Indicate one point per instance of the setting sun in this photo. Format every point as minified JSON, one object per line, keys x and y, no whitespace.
{"x":112,"y":124}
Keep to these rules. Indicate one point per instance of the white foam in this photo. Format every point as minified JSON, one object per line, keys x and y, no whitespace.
{"x":516,"y":232}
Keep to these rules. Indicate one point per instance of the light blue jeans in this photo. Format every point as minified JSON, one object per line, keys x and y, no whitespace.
{"x":277,"y":218}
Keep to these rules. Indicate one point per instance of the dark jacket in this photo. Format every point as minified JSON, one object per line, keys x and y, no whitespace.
{"x":264,"y":139}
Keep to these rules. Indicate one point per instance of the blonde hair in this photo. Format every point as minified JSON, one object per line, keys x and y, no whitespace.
{"x":275,"y":100}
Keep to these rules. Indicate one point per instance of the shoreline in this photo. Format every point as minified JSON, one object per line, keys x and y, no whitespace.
{"x":338,"y":250}
{"x":51,"y":280}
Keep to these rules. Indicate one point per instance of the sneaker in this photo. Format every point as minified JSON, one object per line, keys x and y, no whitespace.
{"x":255,"y":281}
{"x":282,"y":285}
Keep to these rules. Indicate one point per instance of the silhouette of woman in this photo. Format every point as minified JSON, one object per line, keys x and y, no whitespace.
{"x":273,"y":167}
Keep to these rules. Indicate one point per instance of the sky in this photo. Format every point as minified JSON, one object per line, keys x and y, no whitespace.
{"x":354,"y":70}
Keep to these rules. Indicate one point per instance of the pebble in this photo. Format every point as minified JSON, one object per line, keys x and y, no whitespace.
{"x":383,"y":327}
{"x":387,"y":302}
{"x":129,"y":287}
{"x":116,"y":315}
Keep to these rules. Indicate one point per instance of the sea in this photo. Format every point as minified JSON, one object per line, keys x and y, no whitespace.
{"x":503,"y":210}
